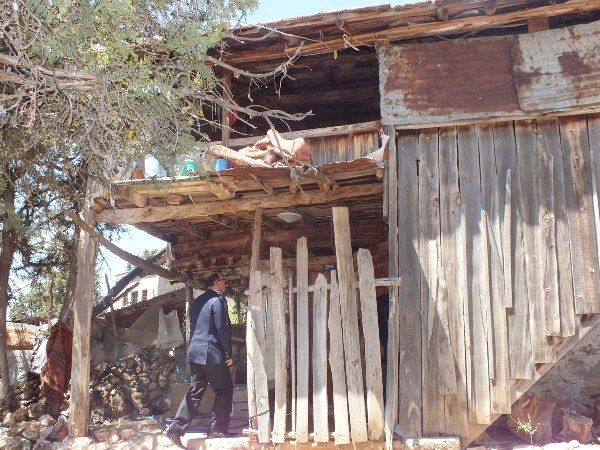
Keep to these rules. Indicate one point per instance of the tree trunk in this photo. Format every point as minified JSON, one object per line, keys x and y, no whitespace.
{"x":7,"y":251}
{"x":67,"y":306}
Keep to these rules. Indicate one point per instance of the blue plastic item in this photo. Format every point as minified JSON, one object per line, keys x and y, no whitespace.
{"x":221,"y":164}
{"x":189,"y":167}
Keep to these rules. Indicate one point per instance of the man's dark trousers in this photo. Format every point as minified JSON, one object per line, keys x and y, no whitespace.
{"x":217,"y":375}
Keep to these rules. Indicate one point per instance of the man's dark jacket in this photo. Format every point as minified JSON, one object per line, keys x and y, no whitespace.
{"x":210,"y":329}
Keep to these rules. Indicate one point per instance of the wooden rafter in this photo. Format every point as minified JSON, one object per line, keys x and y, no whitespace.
{"x":212,"y":209}
{"x":263,"y":184}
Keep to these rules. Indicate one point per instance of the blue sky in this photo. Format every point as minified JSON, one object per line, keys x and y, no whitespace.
{"x":135,"y":241}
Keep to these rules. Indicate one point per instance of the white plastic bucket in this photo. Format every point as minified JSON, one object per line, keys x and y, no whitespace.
{"x":152,"y":167}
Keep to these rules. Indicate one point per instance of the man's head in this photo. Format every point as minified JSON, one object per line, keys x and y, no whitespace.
{"x":216,"y":282}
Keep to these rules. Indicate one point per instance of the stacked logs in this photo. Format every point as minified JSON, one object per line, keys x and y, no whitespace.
{"x":270,"y":151}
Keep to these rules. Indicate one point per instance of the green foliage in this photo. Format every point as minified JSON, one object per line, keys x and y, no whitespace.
{"x":526,"y":427}
{"x":134,"y":80}
{"x":35,"y":302}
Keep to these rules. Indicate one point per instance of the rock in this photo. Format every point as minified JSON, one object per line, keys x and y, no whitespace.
{"x":560,"y":446}
{"x":526,"y":447}
{"x":15,"y":431}
{"x":163,"y":441}
{"x":32,"y":428}
{"x":145,"y":412}
{"x":110,"y":435}
{"x":60,"y":429}
{"x":44,"y":445}
{"x":531,"y":419}
{"x":21,"y":414}
{"x":127,"y":434}
{"x":577,"y":427}
{"x":17,"y":443}
{"x":9,"y":420}
{"x":99,"y":446}
{"x":79,"y":443}
{"x":46,"y":420}
{"x":45,"y":433}
{"x":37,"y":410}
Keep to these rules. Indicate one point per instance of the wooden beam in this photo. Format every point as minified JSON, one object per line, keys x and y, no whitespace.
{"x":319,"y":361}
{"x":280,"y":332}
{"x":87,"y":251}
{"x":220,"y":190}
{"x":278,"y":237}
{"x":264,"y":185}
{"x":226,"y":222}
{"x":348,"y":303}
{"x":337,"y":130}
{"x":336,"y":363}
{"x":252,"y":344}
{"x":135,"y":260}
{"x":420,"y":30}
{"x":189,"y":229}
{"x":370,"y":328}
{"x":302,"y":350}
{"x":131,"y":195}
{"x":161,"y":213}
{"x":538,"y":24}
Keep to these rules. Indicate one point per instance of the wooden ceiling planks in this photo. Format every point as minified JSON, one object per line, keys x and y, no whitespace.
{"x":322,"y":32}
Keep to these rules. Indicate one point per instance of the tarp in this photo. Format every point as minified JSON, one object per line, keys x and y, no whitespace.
{"x":169,"y":332}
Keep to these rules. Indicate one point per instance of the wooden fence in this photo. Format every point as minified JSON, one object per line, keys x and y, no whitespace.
{"x":498,"y":253}
{"x":323,"y":355}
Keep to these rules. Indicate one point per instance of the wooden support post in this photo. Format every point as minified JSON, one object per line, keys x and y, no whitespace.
{"x":370,"y":327}
{"x":319,"y":361}
{"x":261,"y":388}
{"x":250,"y":331}
{"x":280,"y":348}
{"x":336,"y":363}
{"x":79,"y":402}
{"x":391,"y":211}
{"x":343,"y":249}
{"x":302,"y":352}
{"x":292,"y":311}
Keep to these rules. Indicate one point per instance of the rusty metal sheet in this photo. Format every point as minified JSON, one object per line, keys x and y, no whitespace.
{"x":558,"y":69}
{"x":526,"y":75}
{"x":447,"y":81}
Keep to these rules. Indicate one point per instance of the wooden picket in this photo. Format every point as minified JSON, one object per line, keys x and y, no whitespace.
{"x":323,"y":335}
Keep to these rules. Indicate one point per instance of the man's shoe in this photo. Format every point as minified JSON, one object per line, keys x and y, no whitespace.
{"x":174,"y":436}
{"x":214,"y":434}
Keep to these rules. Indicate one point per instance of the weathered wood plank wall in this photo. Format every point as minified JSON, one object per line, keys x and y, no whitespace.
{"x":487,"y":212}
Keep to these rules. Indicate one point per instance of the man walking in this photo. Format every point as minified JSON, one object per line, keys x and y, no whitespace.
{"x":209,"y":355}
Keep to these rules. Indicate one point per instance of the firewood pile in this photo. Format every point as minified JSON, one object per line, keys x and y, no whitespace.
{"x":270,"y":151}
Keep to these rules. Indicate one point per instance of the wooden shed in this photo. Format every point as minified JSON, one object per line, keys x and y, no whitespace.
{"x":481,"y":217}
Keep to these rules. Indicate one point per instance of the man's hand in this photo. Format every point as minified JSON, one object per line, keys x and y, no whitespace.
{"x":229,"y":362}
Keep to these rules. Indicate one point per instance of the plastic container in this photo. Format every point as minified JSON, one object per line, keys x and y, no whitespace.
{"x":221,"y":164}
{"x":189,"y":167}
{"x":152,"y":167}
